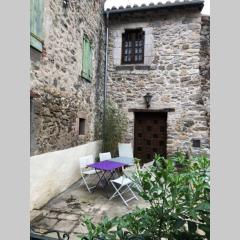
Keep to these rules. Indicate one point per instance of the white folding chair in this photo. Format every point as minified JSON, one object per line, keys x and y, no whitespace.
{"x":147,"y":165}
{"x":125,"y":150}
{"x":105,"y":156}
{"x":84,"y":171}
{"x":119,"y":184}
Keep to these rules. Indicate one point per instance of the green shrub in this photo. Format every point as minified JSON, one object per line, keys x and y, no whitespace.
{"x":114,"y":129}
{"x":179,"y":199}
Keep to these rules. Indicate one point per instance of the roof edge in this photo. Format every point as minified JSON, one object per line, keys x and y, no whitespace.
{"x":153,"y":6}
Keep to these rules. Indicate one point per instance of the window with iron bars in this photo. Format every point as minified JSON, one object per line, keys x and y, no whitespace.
{"x":133,"y":46}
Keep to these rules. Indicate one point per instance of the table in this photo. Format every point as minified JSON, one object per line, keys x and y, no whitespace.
{"x":127,"y":160}
{"x":106,"y":166}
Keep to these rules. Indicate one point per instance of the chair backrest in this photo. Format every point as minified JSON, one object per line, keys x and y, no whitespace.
{"x":84,"y":161}
{"x":125,"y":150}
{"x":147,"y":165}
{"x":105,"y":156}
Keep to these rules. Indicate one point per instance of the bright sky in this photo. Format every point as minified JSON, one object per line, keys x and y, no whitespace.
{"x":124,"y":3}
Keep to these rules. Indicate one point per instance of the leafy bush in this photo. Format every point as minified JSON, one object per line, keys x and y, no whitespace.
{"x":115,"y":127}
{"x":179,"y":199}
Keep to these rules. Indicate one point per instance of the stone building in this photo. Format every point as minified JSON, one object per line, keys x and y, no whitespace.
{"x":70,"y":101}
{"x":67,"y":72}
{"x":160,"y":49}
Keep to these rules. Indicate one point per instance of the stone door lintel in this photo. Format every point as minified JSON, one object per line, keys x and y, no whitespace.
{"x":151,"y":110}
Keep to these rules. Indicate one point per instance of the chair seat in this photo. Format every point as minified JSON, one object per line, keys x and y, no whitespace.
{"x":90,"y":172}
{"x":123,"y":181}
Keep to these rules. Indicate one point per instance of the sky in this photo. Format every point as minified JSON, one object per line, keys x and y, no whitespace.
{"x":124,"y":3}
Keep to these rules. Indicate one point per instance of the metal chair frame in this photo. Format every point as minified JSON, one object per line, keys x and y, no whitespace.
{"x":83,"y":162}
{"x":127,"y":186}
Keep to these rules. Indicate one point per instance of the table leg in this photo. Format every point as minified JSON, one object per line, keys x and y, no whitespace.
{"x":100,"y":178}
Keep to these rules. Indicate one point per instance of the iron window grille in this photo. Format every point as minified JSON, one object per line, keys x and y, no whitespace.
{"x":133,"y":46}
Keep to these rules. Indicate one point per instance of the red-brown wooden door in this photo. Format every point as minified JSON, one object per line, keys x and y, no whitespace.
{"x":150,"y":135}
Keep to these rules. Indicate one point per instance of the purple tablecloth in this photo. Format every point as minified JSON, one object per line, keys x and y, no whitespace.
{"x":107,"y":165}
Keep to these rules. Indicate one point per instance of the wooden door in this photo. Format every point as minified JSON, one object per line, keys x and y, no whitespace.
{"x":150,"y":135}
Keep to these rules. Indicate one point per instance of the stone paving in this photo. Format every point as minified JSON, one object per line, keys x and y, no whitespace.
{"x":66,"y":211}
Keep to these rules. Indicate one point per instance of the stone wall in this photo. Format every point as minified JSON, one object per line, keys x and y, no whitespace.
{"x":171,"y":73}
{"x":56,"y":75}
{"x":205,"y":64}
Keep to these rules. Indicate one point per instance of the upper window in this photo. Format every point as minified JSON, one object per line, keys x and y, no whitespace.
{"x":36,"y":24}
{"x":133,"y":46}
{"x":87,"y":59}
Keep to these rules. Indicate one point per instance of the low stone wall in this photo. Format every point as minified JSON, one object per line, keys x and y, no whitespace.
{"x":52,"y":173}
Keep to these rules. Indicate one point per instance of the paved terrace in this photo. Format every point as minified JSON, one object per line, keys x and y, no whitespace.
{"x":66,"y":211}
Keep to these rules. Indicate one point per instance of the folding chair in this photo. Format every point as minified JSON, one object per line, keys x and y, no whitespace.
{"x":105,"y":156}
{"x":83,"y":162}
{"x":147,"y":165}
{"x":131,"y":173}
{"x":119,"y":184}
{"x":125,"y":150}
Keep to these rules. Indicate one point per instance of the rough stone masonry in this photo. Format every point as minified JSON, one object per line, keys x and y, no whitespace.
{"x":56,"y":76}
{"x":175,"y":71}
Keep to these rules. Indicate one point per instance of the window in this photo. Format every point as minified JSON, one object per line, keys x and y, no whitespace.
{"x":87,"y":59}
{"x":196,"y":143}
{"x":133,"y":46}
{"x":36,"y":24}
{"x":81,"y":126}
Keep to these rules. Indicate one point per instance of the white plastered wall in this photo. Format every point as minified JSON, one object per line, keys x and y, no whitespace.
{"x":52,"y":173}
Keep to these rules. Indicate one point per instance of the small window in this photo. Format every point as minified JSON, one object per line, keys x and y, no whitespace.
{"x":133,"y":46}
{"x":82,"y":126}
{"x":87,"y":59}
{"x":196,"y":143}
{"x":36,"y":24}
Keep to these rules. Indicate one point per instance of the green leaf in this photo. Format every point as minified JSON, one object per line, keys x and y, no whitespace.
{"x":204,"y":206}
{"x":179,"y":223}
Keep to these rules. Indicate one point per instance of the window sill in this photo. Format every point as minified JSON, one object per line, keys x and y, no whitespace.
{"x":132,"y":67}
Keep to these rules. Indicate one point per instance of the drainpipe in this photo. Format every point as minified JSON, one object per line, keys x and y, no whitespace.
{"x":106,"y":73}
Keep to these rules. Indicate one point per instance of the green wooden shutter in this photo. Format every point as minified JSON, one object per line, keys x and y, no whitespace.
{"x":90,"y":62}
{"x":84,"y":57}
{"x":36,"y":38}
{"x":87,"y":59}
